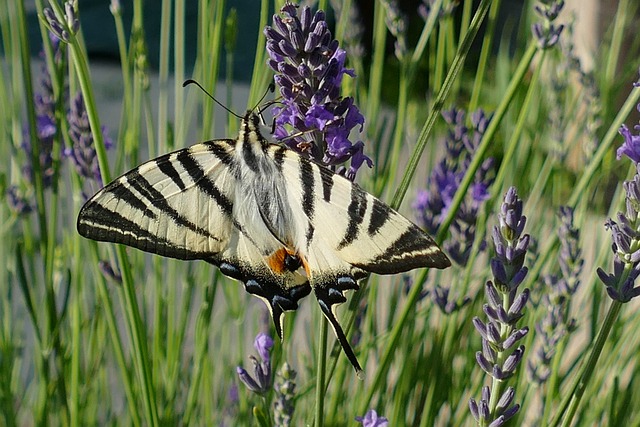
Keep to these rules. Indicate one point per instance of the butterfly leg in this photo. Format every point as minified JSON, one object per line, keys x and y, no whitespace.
{"x":329,"y":296}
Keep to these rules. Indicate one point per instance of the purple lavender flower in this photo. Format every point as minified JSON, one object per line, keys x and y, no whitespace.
{"x":425,"y":9}
{"x":313,"y":119}
{"x":433,"y":204}
{"x":108,"y":271}
{"x":482,"y":414}
{"x":625,"y":232}
{"x":558,"y":291}
{"x":447,"y":305}
{"x":396,"y":22}
{"x":46,"y":126}
{"x":63,"y":28}
{"x":372,"y":419}
{"x":284,"y":403}
{"x":626,"y":238}
{"x":545,"y":31}
{"x":18,"y":203}
{"x":262,"y":382}
{"x":83,"y":153}
{"x":500,"y":356}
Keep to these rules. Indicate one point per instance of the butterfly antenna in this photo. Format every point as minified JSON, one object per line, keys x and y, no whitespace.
{"x":270,"y":89}
{"x":191,"y":81}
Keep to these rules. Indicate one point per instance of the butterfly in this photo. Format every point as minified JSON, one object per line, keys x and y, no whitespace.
{"x":276,"y":221}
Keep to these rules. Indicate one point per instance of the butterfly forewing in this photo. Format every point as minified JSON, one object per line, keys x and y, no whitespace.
{"x":281,"y":224}
{"x":174,"y":205}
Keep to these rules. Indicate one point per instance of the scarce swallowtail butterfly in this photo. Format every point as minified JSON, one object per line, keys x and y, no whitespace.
{"x":279,"y":223}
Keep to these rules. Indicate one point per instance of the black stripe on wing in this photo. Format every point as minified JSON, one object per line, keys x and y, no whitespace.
{"x":411,"y":249}
{"x":307,"y":179}
{"x":204,"y":183}
{"x":99,"y":223}
{"x":157,"y":200}
{"x":356,"y":211}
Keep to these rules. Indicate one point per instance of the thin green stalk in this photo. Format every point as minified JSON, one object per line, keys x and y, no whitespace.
{"x":612,"y":62}
{"x":320,"y":372}
{"x":514,"y":140}
{"x":605,"y":146}
{"x":261,"y":76}
{"x":485,"y":53}
{"x":401,"y":119}
{"x":455,"y":69}
{"x":569,"y":405}
{"x":139,"y":345}
{"x":179,"y":70}
{"x":377,"y":60}
{"x":487,"y":138}
{"x":163,"y":76}
{"x":203,"y":322}
{"x":392,"y":342}
{"x":74,"y":397}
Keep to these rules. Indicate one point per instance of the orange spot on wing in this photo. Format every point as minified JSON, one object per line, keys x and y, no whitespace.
{"x":276,"y":261}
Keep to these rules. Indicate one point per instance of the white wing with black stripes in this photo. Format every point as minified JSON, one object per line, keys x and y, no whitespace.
{"x":281,"y":224}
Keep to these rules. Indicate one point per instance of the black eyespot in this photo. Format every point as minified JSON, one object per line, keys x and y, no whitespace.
{"x":292,"y":262}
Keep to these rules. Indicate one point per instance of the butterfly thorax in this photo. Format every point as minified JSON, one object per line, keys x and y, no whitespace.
{"x":264,"y":205}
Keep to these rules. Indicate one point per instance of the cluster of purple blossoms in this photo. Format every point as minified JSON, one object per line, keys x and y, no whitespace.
{"x":500,"y":357}
{"x":447,"y":305}
{"x":46,"y":131}
{"x":284,"y":403}
{"x":372,"y":419}
{"x":262,"y":379}
{"x":546,"y":32}
{"x":83,"y":152}
{"x":397,"y":24}
{"x":557,"y":294}
{"x":625,"y":232}
{"x":425,"y":9}
{"x":433,"y":204}
{"x":313,"y":119}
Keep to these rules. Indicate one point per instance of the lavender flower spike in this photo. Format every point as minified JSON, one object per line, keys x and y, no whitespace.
{"x":500,"y":357}
{"x":313,"y":119}
{"x":262,"y":382}
{"x":83,"y":152}
{"x":545,"y":31}
{"x":625,"y":232}
{"x":371,"y":419}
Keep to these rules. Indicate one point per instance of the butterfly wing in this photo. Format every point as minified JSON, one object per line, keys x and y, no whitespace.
{"x":349,"y":233}
{"x":188,"y":205}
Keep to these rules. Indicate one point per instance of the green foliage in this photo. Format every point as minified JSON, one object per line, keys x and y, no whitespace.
{"x":158,"y":341}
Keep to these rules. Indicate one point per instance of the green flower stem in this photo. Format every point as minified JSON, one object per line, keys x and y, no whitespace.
{"x":261,"y":76}
{"x":580,"y":189}
{"x":570,"y":404}
{"x":605,"y":146}
{"x":514,"y":140}
{"x":163,"y":76}
{"x":456,"y":66}
{"x":139,"y":345}
{"x":203,"y":323}
{"x":485,"y":53}
{"x":401,"y":119}
{"x":321,"y":372}
{"x":611,"y":62}
{"x":487,"y":138}
{"x":377,"y":60}
{"x":179,"y":70}
{"x":392,"y":342}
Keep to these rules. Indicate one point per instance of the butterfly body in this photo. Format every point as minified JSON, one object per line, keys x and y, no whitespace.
{"x":266,"y":216}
